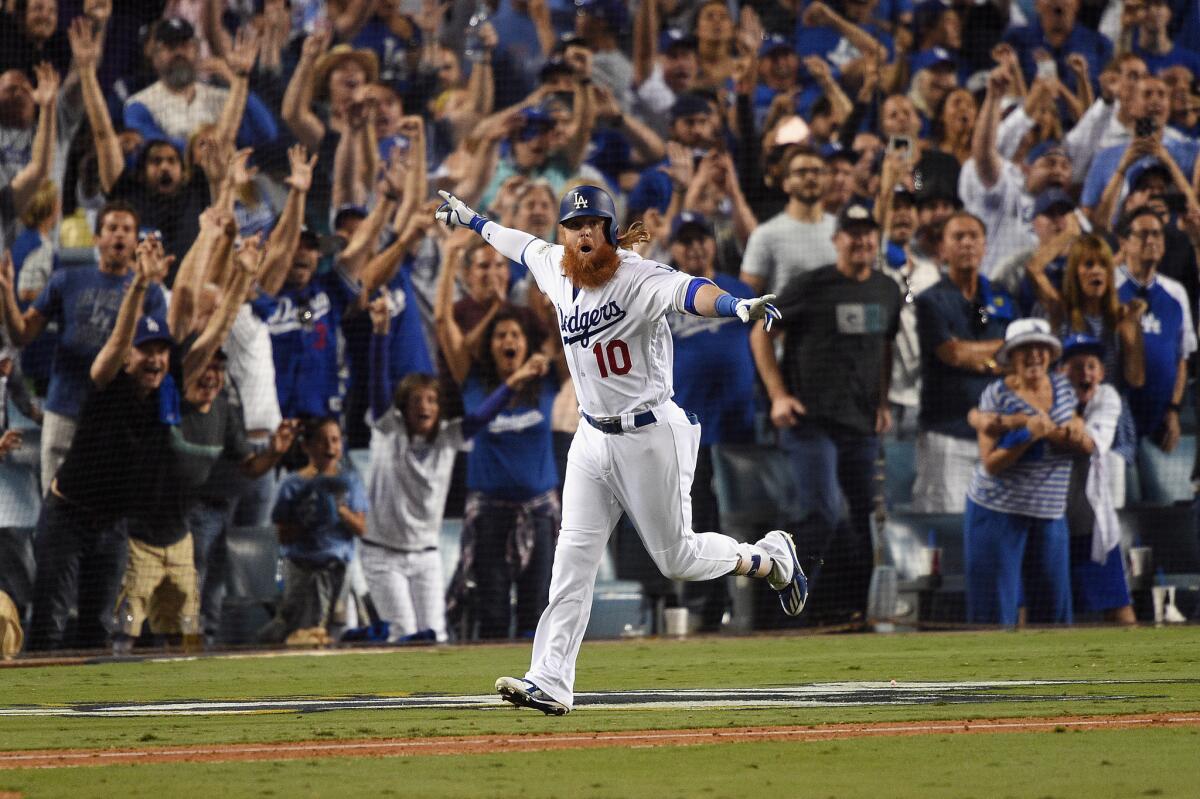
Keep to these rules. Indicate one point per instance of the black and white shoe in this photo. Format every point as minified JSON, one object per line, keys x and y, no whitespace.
{"x":523,"y":693}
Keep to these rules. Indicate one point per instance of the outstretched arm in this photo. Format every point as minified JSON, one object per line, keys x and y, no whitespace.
{"x":449,"y":335}
{"x":241,"y":60}
{"x":26,"y":182}
{"x":983,"y":140}
{"x":85,"y":48}
{"x":379,"y":380}
{"x":508,"y":242}
{"x":281,"y":246}
{"x":249,"y":261}
{"x":296,"y":111}
{"x":22,"y":327}
{"x":703,"y":298}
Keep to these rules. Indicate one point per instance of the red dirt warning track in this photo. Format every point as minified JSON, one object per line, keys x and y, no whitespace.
{"x":504,"y":744}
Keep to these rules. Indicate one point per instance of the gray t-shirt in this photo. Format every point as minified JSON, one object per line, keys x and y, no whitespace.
{"x":784,"y":247}
{"x":409,"y":482}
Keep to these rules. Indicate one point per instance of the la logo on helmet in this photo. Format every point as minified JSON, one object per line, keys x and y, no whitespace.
{"x":580,"y":200}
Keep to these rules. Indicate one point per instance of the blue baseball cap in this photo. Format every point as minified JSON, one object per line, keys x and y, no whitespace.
{"x":1053,"y":201}
{"x":349,"y":211}
{"x":688,"y":104}
{"x":534,"y":122}
{"x":689,"y":221}
{"x":933,"y":57}
{"x":1044,"y":148}
{"x":1147,"y":165}
{"x":774,"y":42}
{"x":151,"y":328}
{"x":1082,"y":344}
{"x":674,"y":38}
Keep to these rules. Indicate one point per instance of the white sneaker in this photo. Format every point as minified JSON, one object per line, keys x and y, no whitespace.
{"x":523,"y":693}
{"x":786,"y":576}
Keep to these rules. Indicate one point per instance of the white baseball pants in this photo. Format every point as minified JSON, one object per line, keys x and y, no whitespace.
{"x":647,"y":473}
{"x":407,"y":589}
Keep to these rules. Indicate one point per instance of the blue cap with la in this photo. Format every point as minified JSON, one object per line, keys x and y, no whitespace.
{"x":152,"y":328}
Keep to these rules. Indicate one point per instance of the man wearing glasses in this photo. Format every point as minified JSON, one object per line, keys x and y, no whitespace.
{"x":800,"y":237}
{"x":960,"y":327}
{"x":1169,"y":339}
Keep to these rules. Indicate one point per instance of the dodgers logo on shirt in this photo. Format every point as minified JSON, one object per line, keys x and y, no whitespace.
{"x":581,"y":325}
{"x":1151,"y":326}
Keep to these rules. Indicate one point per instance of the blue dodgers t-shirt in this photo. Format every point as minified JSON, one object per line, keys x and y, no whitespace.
{"x":714,"y":370}
{"x":513,"y":457}
{"x":944,"y":314}
{"x":84,"y":301}
{"x":1166,"y":339}
{"x":310,"y":504}
{"x":305,"y":326}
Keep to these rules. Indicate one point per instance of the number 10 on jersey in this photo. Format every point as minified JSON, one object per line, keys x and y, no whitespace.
{"x":617,"y":356}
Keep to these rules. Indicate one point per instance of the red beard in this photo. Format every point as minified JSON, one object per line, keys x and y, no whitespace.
{"x":591,"y":270}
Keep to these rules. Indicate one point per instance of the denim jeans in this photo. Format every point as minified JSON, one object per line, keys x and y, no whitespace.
{"x":79,"y":565}
{"x":1163,"y":477}
{"x":834,"y":472}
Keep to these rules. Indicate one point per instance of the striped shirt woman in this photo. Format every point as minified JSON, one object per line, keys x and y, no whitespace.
{"x":1015,"y":539}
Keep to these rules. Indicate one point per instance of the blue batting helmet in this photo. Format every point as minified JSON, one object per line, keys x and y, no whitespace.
{"x":590,"y":201}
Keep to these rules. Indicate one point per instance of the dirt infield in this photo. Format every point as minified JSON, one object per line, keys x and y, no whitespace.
{"x":504,"y":744}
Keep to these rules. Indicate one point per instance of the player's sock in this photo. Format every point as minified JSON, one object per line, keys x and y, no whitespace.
{"x":753,"y":561}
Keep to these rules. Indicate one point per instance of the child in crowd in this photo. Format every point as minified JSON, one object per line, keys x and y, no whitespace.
{"x":412,"y":456}
{"x":321,"y":509}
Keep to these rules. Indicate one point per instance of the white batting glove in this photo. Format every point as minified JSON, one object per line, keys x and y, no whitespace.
{"x":454,"y":212}
{"x":758,"y":308}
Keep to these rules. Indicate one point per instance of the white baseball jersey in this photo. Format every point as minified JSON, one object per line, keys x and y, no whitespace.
{"x":616,"y":338}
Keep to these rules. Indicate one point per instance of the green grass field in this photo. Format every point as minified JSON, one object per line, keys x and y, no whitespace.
{"x":1132,"y":762}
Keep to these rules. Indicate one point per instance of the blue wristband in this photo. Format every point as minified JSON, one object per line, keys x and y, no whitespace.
{"x":478,"y":222}
{"x":727,"y":305}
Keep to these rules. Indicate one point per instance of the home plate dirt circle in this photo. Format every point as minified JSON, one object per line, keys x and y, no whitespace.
{"x":814,"y":695}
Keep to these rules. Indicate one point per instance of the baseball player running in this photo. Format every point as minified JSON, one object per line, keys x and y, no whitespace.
{"x":637,"y":452}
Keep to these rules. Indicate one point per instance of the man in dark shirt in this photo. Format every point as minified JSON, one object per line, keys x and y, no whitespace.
{"x":167,"y":198}
{"x":960,"y":326}
{"x":830,"y":401}
{"x":120,"y":440}
{"x":138,"y":453}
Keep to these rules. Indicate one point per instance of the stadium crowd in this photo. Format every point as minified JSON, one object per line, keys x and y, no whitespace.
{"x":222,"y":277}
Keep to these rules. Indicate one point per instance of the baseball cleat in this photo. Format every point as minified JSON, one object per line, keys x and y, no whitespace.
{"x":523,"y":693}
{"x":793,"y":589}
